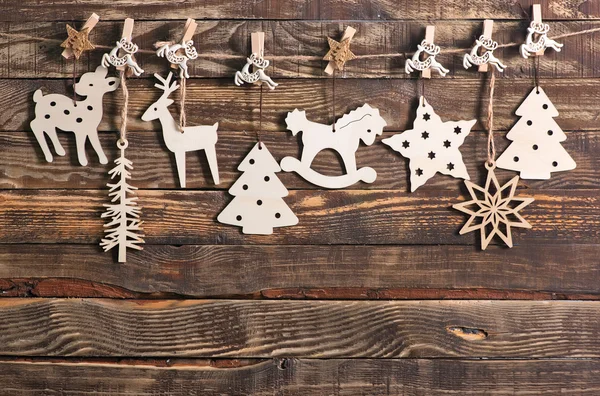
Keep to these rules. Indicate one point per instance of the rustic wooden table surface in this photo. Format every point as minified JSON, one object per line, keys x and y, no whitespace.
{"x":373,"y":292}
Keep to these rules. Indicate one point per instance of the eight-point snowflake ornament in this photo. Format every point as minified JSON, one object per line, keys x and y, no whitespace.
{"x":494,"y":209}
{"x":432,"y":146}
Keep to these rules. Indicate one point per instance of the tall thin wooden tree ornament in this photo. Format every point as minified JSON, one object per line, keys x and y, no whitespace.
{"x":123,"y":230}
{"x":493,"y":209}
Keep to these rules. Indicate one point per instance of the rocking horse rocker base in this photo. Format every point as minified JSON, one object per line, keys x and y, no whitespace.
{"x":366,"y":174}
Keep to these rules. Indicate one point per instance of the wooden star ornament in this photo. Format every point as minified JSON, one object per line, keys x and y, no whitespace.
{"x":78,"y":41}
{"x":339,"y":52}
{"x":494,"y":209}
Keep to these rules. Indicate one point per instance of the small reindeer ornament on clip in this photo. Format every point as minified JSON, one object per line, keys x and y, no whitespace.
{"x":485,"y":43}
{"x":257,"y":61}
{"x":127,"y":60}
{"x":180,"y":53}
{"x":427,"y":47}
{"x":539,"y":29}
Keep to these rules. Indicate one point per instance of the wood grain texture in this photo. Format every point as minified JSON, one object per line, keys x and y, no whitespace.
{"x":316,"y":329}
{"x":304,"y":272}
{"x":349,"y":377}
{"x":224,"y":45}
{"x":30,"y":10}
{"x":237,"y":109}
{"x":357,"y":216}
{"x":24,"y":166}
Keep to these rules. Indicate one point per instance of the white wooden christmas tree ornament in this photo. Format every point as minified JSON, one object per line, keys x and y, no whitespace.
{"x":429,"y":49}
{"x":538,"y":29}
{"x":257,"y":61}
{"x":363,"y":124}
{"x":123,"y":230}
{"x":60,"y":112}
{"x":493,"y":209}
{"x":193,"y":138}
{"x":432,"y":146}
{"x":482,"y":52}
{"x":129,"y":48}
{"x":258,"y":203}
{"x":180,"y":53}
{"x":536,"y":150}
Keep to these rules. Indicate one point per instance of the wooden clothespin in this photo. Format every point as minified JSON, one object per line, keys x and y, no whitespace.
{"x":429,"y":38}
{"x":89,"y":25}
{"x":188,"y":32}
{"x":348,"y":35}
{"x":126,"y":34}
{"x":257,"y":40}
{"x":488,"y":28}
{"x":537,"y":17}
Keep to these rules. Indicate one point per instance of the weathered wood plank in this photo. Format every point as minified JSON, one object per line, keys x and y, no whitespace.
{"x":408,"y":377}
{"x":295,"y":48}
{"x":30,"y":10}
{"x":24,"y":165}
{"x":356,"y":216}
{"x":317,"y":329}
{"x":237,"y":109}
{"x":305,"y":272}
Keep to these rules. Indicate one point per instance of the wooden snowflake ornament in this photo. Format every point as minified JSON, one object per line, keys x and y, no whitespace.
{"x":363,"y":124}
{"x":536,"y":150}
{"x":493,"y":209}
{"x":123,"y":229}
{"x":258,"y":203}
{"x":432,"y":146}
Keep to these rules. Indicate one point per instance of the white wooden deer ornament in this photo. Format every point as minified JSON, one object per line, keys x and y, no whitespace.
{"x":364,"y":124}
{"x":180,"y":53}
{"x":485,"y":44}
{"x":191,"y":139}
{"x":127,"y":60}
{"x":59,"y":112}
{"x":256,"y":60}
{"x":540,"y":30}
{"x":427,"y":47}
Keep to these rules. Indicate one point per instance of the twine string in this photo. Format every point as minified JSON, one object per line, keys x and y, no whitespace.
{"x":182,"y":115}
{"x":536,"y":73}
{"x":124,"y":109}
{"x":74,"y":80}
{"x":333,"y":94}
{"x":260,"y":114}
{"x":491,"y":147}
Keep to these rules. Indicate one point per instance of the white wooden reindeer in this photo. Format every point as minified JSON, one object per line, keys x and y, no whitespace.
{"x":169,"y":51}
{"x":112,"y":58}
{"x":190,"y":139}
{"x":473,"y":58}
{"x":82,"y":117}
{"x":543,"y":42}
{"x":415,"y":63}
{"x":258,"y":75}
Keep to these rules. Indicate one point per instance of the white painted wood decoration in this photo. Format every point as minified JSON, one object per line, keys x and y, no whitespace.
{"x":432,"y":146}
{"x":493,"y":209}
{"x":123,"y":230}
{"x":59,"y":112}
{"x":180,"y":53}
{"x":257,"y":61}
{"x":127,"y":60}
{"x":258,"y":203}
{"x":363,"y":124}
{"x":192,"y":138}
{"x":486,"y":46}
{"x":429,"y":49}
{"x":540,"y":30}
{"x":536,"y":150}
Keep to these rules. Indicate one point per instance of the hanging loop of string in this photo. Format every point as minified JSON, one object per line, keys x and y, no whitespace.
{"x":491,"y":147}
{"x":260,"y":113}
{"x":123,"y":129}
{"x":333,"y":97}
{"x":536,"y":73}
{"x":182,"y":115}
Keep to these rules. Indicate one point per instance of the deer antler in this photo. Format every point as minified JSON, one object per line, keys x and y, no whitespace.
{"x":166,"y":84}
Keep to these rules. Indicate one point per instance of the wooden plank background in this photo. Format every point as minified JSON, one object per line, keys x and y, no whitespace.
{"x":373,"y":292}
